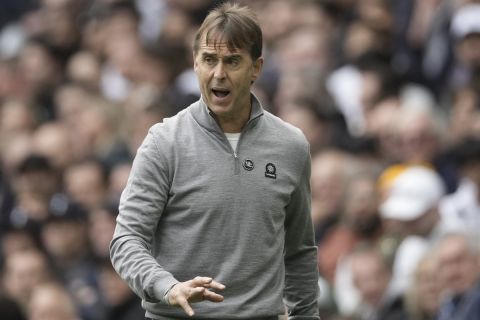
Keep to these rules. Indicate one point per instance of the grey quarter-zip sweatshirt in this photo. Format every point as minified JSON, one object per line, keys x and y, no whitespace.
{"x":193,"y":206}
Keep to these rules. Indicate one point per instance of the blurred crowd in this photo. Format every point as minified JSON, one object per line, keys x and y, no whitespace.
{"x":386,"y":91}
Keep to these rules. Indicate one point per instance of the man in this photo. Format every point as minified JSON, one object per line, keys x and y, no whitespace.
{"x":23,"y":271}
{"x":51,"y":301}
{"x":458,"y":275}
{"x":371,"y":276}
{"x":462,"y":208}
{"x":411,"y":208}
{"x":217,"y":206}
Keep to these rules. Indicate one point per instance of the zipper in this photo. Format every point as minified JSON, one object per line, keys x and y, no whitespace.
{"x":236,"y":170}
{"x":236,"y":160}
{"x":236,"y":167}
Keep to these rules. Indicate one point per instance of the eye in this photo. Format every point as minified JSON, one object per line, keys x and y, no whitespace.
{"x":209,"y":60}
{"x":234,"y":62}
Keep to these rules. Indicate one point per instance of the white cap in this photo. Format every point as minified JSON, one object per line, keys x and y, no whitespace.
{"x":413,"y":193}
{"x":466,"y":20}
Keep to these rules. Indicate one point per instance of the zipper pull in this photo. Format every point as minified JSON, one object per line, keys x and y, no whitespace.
{"x":237,"y":163}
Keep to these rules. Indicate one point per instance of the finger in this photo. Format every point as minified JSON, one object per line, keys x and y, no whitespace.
{"x":212,"y":296}
{"x":215,"y":285}
{"x":201,"y":281}
{"x":196,"y":294}
{"x":182,"y":302}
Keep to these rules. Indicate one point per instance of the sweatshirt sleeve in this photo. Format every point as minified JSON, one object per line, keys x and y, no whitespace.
{"x":301,"y":272}
{"x":141,"y":206}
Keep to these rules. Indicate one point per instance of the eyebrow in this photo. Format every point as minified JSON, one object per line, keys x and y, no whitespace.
{"x":206,"y":54}
{"x":233,"y":56}
{"x":228,"y":56}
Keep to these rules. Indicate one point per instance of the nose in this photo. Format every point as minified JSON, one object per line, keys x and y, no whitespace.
{"x":219,"y":71}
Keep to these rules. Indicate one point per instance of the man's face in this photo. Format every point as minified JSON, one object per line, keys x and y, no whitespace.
{"x":225,"y":78}
{"x":370,"y":276}
{"x":423,"y":225}
{"x":457,"y":266}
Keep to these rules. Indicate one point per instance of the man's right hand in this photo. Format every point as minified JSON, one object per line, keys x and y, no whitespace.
{"x":192,"y":291}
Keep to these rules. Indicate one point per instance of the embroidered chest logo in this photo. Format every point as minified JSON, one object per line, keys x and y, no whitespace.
{"x":248,"y":165}
{"x":270,"y":171}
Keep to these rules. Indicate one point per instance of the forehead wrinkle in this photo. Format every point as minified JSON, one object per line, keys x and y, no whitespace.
{"x":215,"y":40}
{"x":221,"y":49}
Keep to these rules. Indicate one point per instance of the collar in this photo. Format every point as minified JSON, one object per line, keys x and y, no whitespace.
{"x":204,"y":117}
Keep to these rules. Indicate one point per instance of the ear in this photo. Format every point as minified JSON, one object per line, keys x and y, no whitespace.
{"x":257,"y":68}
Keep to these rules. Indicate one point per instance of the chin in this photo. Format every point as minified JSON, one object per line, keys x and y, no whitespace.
{"x":219,"y":109}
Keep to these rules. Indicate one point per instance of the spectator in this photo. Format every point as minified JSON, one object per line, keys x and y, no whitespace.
{"x":99,"y":131}
{"x":121,"y":302}
{"x":84,"y":68}
{"x":25,"y":270}
{"x":462,"y":208}
{"x":464,"y":117}
{"x":52,"y":140}
{"x":303,"y":49}
{"x":422,"y":298}
{"x":66,"y":241}
{"x":51,"y":302}
{"x":465,"y":29}
{"x":70,"y":101}
{"x":412,"y":204}
{"x":18,"y":239}
{"x":420,"y":135}
{"x":16,"y":117}
{"x":86,"y":183}
{"x":70,"y":98}
{"x":328,"y":185}
{"x":457,"y":267}
{"x":42,"y":71}
{"x":359,"y":222}
{"x":382,"y":125}
{"x":175,"y":26}
{"x":15,"y":150}
{"x":100,"y":229}
{"x":105,"y":23}
{"x":372,"y":277}
{"x":277,"y":19}
{"x":58,"y":26}
{"x":118,"y":180}
{"x":424,"y":46}
{"x":322,"y":124}
{"x":35,"y":183}
{"x":147,"y":105}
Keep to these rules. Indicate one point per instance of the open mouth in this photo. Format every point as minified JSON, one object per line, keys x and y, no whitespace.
{"x":220,"y":93}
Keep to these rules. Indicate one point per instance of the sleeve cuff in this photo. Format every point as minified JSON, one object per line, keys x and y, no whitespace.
{"x":162,"y":287}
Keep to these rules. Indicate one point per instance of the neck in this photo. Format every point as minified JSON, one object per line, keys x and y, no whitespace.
{"x":236,"y":123}
{"x":231,"y":127}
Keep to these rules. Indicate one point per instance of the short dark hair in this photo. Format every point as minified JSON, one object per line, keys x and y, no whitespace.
{"x":236,"y":25}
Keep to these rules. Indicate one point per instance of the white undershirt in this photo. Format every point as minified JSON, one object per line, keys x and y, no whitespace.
{"x":233,"y":139}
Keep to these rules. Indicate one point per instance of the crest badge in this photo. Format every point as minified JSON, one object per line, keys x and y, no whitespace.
{"x":248,"y":165}
{"x":270,"y":171}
